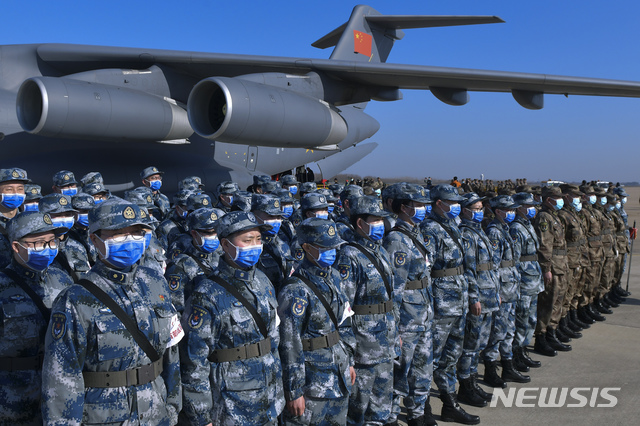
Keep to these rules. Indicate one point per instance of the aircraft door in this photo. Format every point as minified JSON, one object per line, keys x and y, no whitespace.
{"x":252,"y":158}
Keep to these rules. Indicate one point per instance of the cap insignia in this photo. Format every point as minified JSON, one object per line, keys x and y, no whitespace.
{"x":129,"y":213}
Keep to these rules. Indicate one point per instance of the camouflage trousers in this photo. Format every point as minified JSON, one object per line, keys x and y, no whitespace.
{"x":619,"y":268}
{"x":607,"y":277}
{"x":550,"y":303}
{"x":371,"y":396}
{"x":476,"y":336}
{"x":320,"y":411}
{"x":575,"y":287}
{"x":502,"y":331}
{"x":412,"y":373}
{"x":448,"y":339}
{"x":591,"y":282}
{"x":526,"y":318}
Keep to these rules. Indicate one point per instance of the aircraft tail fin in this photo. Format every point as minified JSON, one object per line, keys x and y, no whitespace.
{"x":368,"y":36}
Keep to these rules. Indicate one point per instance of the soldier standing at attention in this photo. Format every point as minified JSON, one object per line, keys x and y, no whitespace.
{"x":316,"y":339}
{"x":152,"y":178}
{"x":12,"y":196}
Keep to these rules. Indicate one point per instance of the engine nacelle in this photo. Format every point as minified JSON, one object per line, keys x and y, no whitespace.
{"x":62,"y":107}
{"x":239,"y":111}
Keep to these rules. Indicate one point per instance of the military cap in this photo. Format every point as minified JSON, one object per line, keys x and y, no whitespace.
{"x":336,"y":188}
{"x":269,"y":187}
{"x":198,"y":201}
{"x":471,"y":198}
{"x":258,"y":180}
{"x":64,"y":178}
{"x":570,"y":189}
{"x":351,"y":190}
{"x":28,"y":223}
{"x":599,"y":191}
{"x":180,"y":197}
{"x":145,"y":191}
{"x":313,"y":201}
{"x":411,"y":191}
{"x":227,"y":188}
{"x":506,"y":191}
{"x":319,"y":232}
{"x":390,"y":191}
{"x":551,"y":191}
{"x":115,"y":213}
{"x":92,"y":177}
{"x":238,"y":221}
{"x":195,"y":179}
{"x":150,"y":171}
{"x":308,"y":187}
{"x":328,"y":194}
{"x":503,"y":202}
{"x":619,"y":190}
{"x":283,"y":195}
{"x":524,"y":188}
{"x":139,"y":198}
{"x":32,"y":192}
{"x":536,"y":190}
{"x":288,"y":180}
{"x":611,"y":198}
{"x":55,"y":203}
{"x":189,"y":184}
{"x":82,"y":201}
{"x":587,"y":189}
{"x":204,"y":218}
{"x":14,"y":175}
{"x":266,"y":203}
{"x":445,"y":192}
{"x":525,"y":198}
{"x":95,"y":188}
{"x":368,"y":205}
{"x":242,"y":201}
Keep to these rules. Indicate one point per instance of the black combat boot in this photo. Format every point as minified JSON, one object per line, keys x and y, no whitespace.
{"x":584,"y":319}
{"x":453,"y":412}
{"x":485,"y":395}
{"x":602,"y":308}
{"x":467,"y":394}
{"x":414,"y":422}
{"x":527,"y":359}
{"x":428,"y":419}
{"x":594,"y":313}
{"x":622,"y":292}
{"x":510,"y":374}
{"x":556,"y":344}
{"x":613,"y":295}
{"x":395,"y":423}
{"x":574,"y":323}
{"x":542,"y":346}
{"x":566,"y":329}
{"x":518,"y":361}
{"x":560,"y":335}
{"x":609,"y":301}
{"x":491,"y":376}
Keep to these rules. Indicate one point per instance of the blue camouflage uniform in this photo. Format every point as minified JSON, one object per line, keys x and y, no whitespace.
{"x":80,"y":232}
{"x":219,"y":387}
{"x":160,"y":201}
{"x":175,"y":225}
{"x":347,"y":196}
{"x":23,"y":326}
{"x":316,"y":355}
{"x":12,"y":202}
{"x":94,"y":371}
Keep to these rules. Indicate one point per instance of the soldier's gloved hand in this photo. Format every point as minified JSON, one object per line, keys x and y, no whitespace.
{"x":352,"y":371}
{"x":296,"y":407}
{"x":548,"y":277}
{"x":633,"y":233}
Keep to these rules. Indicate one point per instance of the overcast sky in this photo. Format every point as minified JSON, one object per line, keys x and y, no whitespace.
{"x":570,"y":139}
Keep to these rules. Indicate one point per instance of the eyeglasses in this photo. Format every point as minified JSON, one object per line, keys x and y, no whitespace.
{"x":137,"y":235}
{"x":40,"y":245}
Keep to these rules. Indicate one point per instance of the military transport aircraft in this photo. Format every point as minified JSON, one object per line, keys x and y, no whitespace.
{"x":221,"y":116}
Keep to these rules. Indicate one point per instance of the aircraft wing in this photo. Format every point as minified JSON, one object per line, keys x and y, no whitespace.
{"x":78,"y":58}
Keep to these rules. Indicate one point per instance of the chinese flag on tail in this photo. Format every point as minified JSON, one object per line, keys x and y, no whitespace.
{"x":362,"y":43}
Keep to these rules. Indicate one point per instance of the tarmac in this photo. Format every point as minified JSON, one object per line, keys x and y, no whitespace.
{"x":607,"y":356}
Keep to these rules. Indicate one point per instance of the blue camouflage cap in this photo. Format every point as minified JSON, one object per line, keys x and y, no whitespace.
{"x":95,"y":188}
{"x":313,"y":201}
{"x":139,"y":198}
{"x":619,"y":190}
{"x":204,"y":218}
{"x":227,"y":188}
{"x":308,"y":187}
{"x":91,"y":177}
{"x":14,"y":174}
{"x":319,"y":232}
{"x":150,"y":171}
{"x":29,"y":223}
{"x":82,"y":201}
{"x":64,"y":178}
{"x":258,"y":180}
{"x":115,"y":213}
{"x":32,"y":192}
{"x":328,"y":194}
{"x":525,"y":198}
{"x":238,"y":221}
{"x":390,"y":191}
{"x":288,"y":180}
{"x":55,"y":203}
{"x":503,"y":202}
{"x":189,"y":184}
{"x":180,"y":197}
{"x":411,"y":191}
{"x":266,"y":203}
{"x":283,"y":195}
{"x":368,"y":205}
{"x":198,"y":201}
{"x":269,"y":187}
{"x":336,"y":188}
{"x":471,"y":198}
{"x":242,"y":201}
{"x":445,"y":192}
{"x":350,"y":191}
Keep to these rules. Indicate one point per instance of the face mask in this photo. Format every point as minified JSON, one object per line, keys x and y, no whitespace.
{"x":624,"y":200}
{"x":376,"y":231}
{"x":275,"y":226}
{"x":31,"y":207}
{"x":248,"y":256}
{"x":618,"y":205}
{"x":12,"y":201}
{"x":147,"y":239}
{"x":603,"y":200}
{"x":69,"y":191}
{"x":578,"y":207}
{"x":419,"y":213}
{"x":592,"y":199}
{"x":610,"y":208}
{"x":123,"y":254}
{"x":182,"y":213}
{"x":98,"y":201}
{"x":531,"y":212}
{"x":427,"y":209}
{"x":454,"y":211}
{"x":330,"y":208}
{"x":83,"y":219}
{"x":230,"y":200}
{"x":40,"y":260}
{"x":59,"y":222}
{"x":326,"y":258}
{"x":155,"y":184}
{"x":287,"y":211}
{"x":559,"y":204}
{"x":477,"y":216}
{"x":293,"y":190}
{"x":322,"y":215}
{"x":209,"y":244}
{"x":575,"y":202}
{"x":509,"y":217}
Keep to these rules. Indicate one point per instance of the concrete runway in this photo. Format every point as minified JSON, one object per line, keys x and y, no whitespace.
{"x":607,"y":356}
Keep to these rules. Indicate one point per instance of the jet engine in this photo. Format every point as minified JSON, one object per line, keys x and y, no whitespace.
{"x":236,"y":110}
{"x":63,"y":107}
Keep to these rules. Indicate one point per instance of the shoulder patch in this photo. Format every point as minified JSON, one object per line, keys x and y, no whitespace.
{"x":428,"y":240}
{"x":296,"y":221}
{"x":467,"y":244}
{"x":544,"y":226}
{"x":174,"y":282}
{"x":345,"y":271}
{"x":399,"y":258}
{"x":299,"y":306}
{"x":58,"y":325}
{"x":196,"y":319}
{"x":494,"y":244}
{"x":298,"y":253}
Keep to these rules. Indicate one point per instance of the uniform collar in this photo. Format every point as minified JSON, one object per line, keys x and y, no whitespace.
{"x":114,"y":275}
{"x":26,"y":272}
{"x":312,"y":269}
{"x":365,"y":242}
{"x":228,"y":271}
{"x":197,"y":253}
{"x":413,"y":228}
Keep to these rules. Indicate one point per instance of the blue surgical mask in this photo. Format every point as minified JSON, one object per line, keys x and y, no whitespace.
{"x":559,"y":204}
{"x":531,"y":212}
{"x":31,"y":207}
{"x":376,"y":231}
{"x":275,"y":226}
{"x":123,"y":254}
{"x":39,"y":260}
{"x":509,"y":217}
{"x":477,"y":216}
{"x":83,"y":219}
{"x":182,"y":212}
{"x":147,"y":239}
{"x":287,"y":211}
{"x":578,"y":207}
{"x":603,"y":200}
{"x":618,"y":205}
{"x":293,"y":190}
{"x":427,"y":209}
{"x":209,"y":244}
{"x":454,"y":211}
{"x":330,"y":208}
{"x":247,"y":256}
{"x":322,"y":215}
{"x":12,"y":201}
{"x":419,"y":213}
{"x":66,"y":222}
{"x":98,"y":201}
{"x":155,"y":184}
{"x":326,"y":258}
{"x":69,"y":191}
{"x":610,"y":207}
{"x":593,"y":199}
